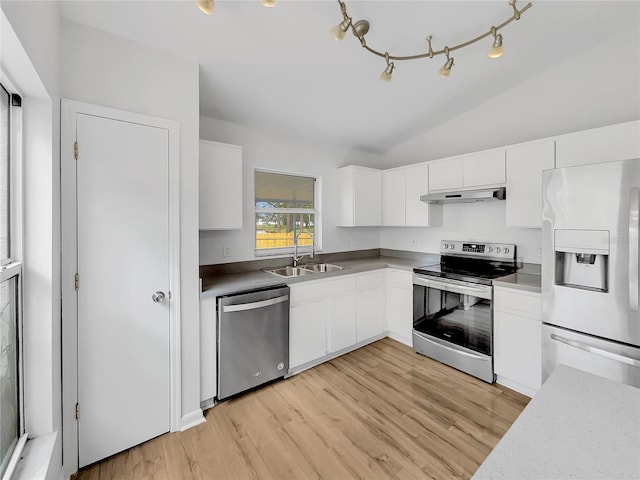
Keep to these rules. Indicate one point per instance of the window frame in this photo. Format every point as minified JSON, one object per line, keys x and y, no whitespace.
{"x":13,"y":267}
{"x":316,"y":211}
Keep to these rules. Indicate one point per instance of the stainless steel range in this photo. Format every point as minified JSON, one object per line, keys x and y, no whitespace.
{"x":452,"y":305}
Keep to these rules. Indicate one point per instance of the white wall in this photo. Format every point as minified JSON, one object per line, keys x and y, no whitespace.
{"x":484,"y":221}
{"x":265,"y":150}
{"x":104,"y":69}
{"x":30,"y":56}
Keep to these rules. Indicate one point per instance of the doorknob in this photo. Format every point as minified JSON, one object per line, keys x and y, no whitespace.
{"x":157,"y":296}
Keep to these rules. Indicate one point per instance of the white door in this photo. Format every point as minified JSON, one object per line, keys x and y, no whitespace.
{"x":123,"y":259}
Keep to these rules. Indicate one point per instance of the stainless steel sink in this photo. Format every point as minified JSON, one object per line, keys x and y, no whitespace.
{"x":322,"y":267}
{"x":289,"y":272}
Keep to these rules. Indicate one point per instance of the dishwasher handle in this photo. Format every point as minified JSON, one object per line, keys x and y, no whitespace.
{"x":254,"y":305}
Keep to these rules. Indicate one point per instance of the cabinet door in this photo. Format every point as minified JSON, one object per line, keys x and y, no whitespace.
{"x":445,"y":174}
{"x":518,"y":338}
{"x":307,"y":332}
{"x":370,"y":306}
{"x":517,"y":350}
{"x":220,"y":183}
{"x":606,"y":144}
{"x":486,"y":168}
{"x":393,"y":195}
{"x":360,"y":196}
{"x":367,"y":197}
{"x":525,"y":164}
{"x":342,"y":321}
{"x":400,"y":305}
{"x":417,"y":213}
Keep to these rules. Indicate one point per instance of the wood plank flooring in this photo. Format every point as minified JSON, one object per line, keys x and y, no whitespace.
{"x":380,"y":412}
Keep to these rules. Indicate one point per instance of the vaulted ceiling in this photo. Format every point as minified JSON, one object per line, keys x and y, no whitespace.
{"x":278,"y":69}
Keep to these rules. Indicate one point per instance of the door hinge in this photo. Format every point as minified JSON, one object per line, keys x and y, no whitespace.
{"x":77,"y":281}
{"x":75,"y":150}
{"x":77,"y":411}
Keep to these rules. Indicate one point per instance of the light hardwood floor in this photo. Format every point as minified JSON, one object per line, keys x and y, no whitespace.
{"x":380,"y":412}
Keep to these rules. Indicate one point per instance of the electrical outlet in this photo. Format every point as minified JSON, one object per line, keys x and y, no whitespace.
{"x":226,"y":251}
{"x":354,"y":241}
{"x":414,"y":243}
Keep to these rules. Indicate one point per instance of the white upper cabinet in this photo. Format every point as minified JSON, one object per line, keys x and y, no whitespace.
{"x":445,"y":174}
{"x":606,"y":144}
{"x":525,"y":164}
{"x":401,"y":190}
{"x":393,"y":196}
{"x":417,"y":213}
{"x":481,"y":169}
{"x":220,"y":186}
{"x":360,"y":196}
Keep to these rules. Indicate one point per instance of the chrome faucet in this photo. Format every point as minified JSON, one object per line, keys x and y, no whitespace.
{"x":297,"y":258}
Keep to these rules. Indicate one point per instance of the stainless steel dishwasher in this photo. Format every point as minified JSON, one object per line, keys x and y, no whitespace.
{"x":253,"y":339}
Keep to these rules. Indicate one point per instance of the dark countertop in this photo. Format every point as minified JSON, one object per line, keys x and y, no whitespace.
{"x":520,"y":281}
{"x":223,"y":283}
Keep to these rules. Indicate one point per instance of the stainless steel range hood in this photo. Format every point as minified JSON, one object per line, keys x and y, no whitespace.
{"x":466,"y":196}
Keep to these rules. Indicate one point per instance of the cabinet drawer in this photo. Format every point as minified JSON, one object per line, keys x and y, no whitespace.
{"x":306,"y":291}
{"x":528,"y":304}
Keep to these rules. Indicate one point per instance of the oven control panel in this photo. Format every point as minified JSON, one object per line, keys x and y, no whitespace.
{"x":502,"y":251}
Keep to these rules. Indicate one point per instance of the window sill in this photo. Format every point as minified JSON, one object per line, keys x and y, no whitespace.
{"x":37,"y":459}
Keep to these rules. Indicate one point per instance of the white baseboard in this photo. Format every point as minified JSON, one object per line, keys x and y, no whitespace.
{"x":192,"y":419}
{"x":399,"y":338}
{"x":518,"y":387}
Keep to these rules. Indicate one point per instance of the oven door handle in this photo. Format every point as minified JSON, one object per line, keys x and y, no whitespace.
{"x":480,"y":291}
{"x":446,"y":347}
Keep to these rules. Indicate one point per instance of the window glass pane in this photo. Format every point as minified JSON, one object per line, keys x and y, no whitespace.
{"x":9,"y":396}
{"x":276,"y":230}
{"x":283,"y":191}
{"x":4,"y":175}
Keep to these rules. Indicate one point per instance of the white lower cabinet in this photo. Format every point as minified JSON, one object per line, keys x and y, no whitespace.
{"x":331,"y":315}
{"x":400,"y":305}
{"x":370,"y":305}
{"x":307,"y":322}
{"x":342,"y":314}
{"x":518,"y":339}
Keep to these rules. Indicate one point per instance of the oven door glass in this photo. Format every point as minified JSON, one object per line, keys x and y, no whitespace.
{"x":456,"y":312}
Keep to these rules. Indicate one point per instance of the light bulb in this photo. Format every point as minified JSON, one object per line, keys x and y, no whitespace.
{"x":445,"y":70}
{"x":339,"y":30}
{"x":497,"y":49}
{"x":387,"y":72}
{"x":268,"y":3}
{"x":205,"y":6}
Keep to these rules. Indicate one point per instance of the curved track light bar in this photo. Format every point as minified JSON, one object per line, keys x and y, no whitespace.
{"x":361,"y":27}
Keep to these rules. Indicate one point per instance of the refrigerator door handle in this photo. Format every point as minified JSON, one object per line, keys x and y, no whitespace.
{"x":597,"y":351}
{"x":634,"y":226}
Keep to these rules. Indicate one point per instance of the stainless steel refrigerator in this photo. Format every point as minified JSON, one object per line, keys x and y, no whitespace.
{"x":590,"y":249}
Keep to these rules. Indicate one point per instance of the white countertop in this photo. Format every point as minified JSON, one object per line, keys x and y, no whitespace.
{"x":578,"y":426}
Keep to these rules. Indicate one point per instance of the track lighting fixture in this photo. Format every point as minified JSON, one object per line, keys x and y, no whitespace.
{"x":496,"y":50}
{"x":207,"y":6}
{"x":445,"y":70}
{"x":386,"y":73}
{"x":361,"y":27}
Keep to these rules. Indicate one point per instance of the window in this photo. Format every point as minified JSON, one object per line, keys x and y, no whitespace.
{"x":285,"y":207}
{"x":11,"y":424}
